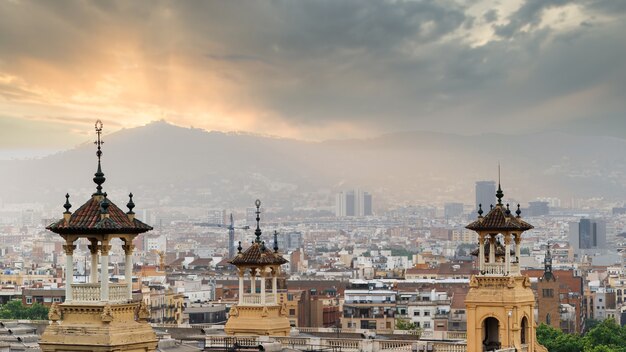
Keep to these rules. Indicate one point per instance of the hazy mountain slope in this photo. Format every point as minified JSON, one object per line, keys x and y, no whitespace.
{"x":165,"y":164}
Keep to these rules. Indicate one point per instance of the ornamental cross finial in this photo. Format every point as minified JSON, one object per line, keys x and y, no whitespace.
{"x":99,"y":175}
{"x":99,"y":142}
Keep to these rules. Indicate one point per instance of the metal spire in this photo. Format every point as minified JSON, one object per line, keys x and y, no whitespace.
{"x":499,"y":193}
{"x":99,"y":175}
{"x":257,"y":232}
{"x":275,"y":241}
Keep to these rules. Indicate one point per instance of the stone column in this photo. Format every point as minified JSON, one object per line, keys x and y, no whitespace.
{"x":128,"y":267}
{"x":507,"y":253}
{"x":275,"y":285}
{"x":104,"y":270}
{"x":492,"y":248}
{"x":94,"y":248}
{"x":518,"y":241}
{"x":241,"y":292}
{"x":252,"y":280}
{"x":69,"y":269}
{"x":263,"y":274}
{"x":481,"y":252}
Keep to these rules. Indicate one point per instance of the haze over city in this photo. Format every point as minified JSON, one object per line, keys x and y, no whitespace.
{"x":299,"y":176}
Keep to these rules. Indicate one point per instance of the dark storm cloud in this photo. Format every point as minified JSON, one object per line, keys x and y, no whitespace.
{"x":378,"y":65}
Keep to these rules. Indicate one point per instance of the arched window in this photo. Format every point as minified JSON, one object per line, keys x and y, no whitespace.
{"x":525,"y":332}
{"x":548,"y":319}
{"x":491,"y":334}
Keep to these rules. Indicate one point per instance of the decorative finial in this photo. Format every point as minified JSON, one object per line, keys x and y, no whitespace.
{"x":490,"y":206}
{"x":104,"y":205}
{"x":130,"y":204}
{"x":275,"y":241}
{"x":99,"y":175}
{"x":239,"y":247}
{"x":508,"y":211}
{"x":518,"y":211}
{"x":480,"y":210}
{"x":257,"y":232}
{"x":263,"y":246}
{"x":67,"y":204}
{"x":499,"y":193}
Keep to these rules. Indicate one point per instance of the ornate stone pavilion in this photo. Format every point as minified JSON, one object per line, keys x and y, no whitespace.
{"x":500,"y":303}
{"x":258,"y":311}
{"x":98,"y":315}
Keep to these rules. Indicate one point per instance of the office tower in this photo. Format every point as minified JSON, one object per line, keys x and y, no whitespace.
{"x":538,"y":208}
{"x":353,"y":203}
{"x":587,"y":234}
{"x":485,"y":194}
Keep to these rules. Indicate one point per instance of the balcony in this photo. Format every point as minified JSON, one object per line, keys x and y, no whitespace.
{"x":499,"y":269}
{"x":118,"y":293}
{"x":254,"y":299}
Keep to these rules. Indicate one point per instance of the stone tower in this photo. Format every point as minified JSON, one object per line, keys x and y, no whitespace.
{"x":258,"y":312}
{"x":500,"y":303}
{"x":548,"y":302}
{"x":98,"y":315}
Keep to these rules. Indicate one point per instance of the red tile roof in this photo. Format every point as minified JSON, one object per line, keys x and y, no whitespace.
{"x":88,"y":219}
{"x":499,"y":219}
{"x":258,"y":254}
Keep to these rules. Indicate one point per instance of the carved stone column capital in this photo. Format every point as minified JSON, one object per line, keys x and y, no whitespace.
{"x":94,"y":247}
{"x":128,"y":248}
{"x":69,"y":249}
{"x":104,"y":249}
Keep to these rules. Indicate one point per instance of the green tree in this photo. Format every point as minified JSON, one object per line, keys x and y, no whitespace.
{"x":405,"y":324}
{"x":608,"y":334}
{"x":15,"y":310}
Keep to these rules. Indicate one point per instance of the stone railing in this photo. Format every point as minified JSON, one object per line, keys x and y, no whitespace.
{"x":255,"y":298}
{"x":91,"y":293}
{"x":508,"y":349}
{"x":449,"y":347}
{"x":251,"y":298}
{"x":456,"y":335}
{"x":493,"y":268}
{"x":523,"y":348}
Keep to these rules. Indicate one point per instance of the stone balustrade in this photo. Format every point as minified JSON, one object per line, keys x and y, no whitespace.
{"x":493,"y":269}
{"x":449,"y":347}
{"x":91,"y":293}
{"x":350,"y":345}
{"x":255,"y":298}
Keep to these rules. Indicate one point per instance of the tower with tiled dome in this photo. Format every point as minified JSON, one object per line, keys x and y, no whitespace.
{"x":98,"y":315}
{"x":500,"y":303}
{"x":258,"y":312}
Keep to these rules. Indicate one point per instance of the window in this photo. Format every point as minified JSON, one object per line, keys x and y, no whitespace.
{"x":292,"y":312}
{"x":416,"y":313}
{"x":600,"y":299}
{"x":56,"y":299}
{"x":548,"y":292}
{"x":29,"y":300}
{"x":426,"y":313}
{"x":427,"y":325}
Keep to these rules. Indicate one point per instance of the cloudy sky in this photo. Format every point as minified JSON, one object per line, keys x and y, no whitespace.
{"x":310,"y":69}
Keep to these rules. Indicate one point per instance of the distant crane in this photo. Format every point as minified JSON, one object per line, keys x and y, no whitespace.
{"x":231,"y":233}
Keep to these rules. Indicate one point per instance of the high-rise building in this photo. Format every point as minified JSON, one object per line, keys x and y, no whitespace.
{"x":485,"y":194}
{"x":587,"y":234}
{"x":353,"y":203}
{"x":538,"y":208}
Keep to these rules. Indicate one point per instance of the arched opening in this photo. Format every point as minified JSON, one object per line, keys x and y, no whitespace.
{"x":548,"y":319}
{"x":524,"y":331}
{"x":491,"y":334}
